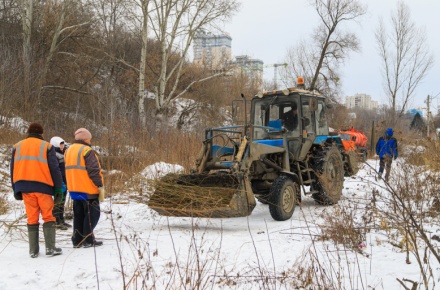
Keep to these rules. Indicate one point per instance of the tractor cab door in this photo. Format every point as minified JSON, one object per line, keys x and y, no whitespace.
{"x":308,"y":124}
{"x":321,"y":119}
{"x":308,"y":118}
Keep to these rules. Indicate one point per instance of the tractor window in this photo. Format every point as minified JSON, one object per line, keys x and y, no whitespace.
{"x":259,"y":116}
{"x":260,"y":120}
{"x":289,"y":116}
{"x":321,"y":119}
{"x":307,"y":121}
{"x":276,"y":113}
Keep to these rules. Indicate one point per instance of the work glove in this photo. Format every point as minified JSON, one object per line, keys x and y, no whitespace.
{"x":18,"y":195}
{"x":64,"y":187}
{"x":58,"y":195}
{"x":101,"y":193}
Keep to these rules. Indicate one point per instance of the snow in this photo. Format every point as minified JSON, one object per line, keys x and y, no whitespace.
{"x":237,"y":253}
{"x":160,"y":169}
{"x":16,"y":123}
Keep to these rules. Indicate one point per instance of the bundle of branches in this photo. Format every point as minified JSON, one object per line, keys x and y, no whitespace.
{"x":193,"y":191}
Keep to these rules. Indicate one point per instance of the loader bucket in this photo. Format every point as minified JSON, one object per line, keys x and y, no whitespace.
{"x":201,"y":195}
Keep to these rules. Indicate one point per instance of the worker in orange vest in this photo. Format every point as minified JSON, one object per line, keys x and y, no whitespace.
{"x":86,"y":187}
{"x":35,"y":178}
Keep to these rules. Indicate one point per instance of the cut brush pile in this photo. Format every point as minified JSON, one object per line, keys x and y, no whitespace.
{"x":193,"y":194}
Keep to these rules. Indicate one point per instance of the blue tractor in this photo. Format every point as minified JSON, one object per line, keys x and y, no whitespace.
{"x":283,"y":148}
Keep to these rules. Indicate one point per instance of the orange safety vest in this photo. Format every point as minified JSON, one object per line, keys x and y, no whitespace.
{"x":77,"y":177}
{"x":30,"y":161}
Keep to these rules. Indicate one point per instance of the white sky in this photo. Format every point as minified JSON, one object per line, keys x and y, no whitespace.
{"x":266,"y":29}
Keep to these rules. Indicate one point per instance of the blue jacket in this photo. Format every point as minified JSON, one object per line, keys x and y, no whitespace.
{"x":387,"y":145}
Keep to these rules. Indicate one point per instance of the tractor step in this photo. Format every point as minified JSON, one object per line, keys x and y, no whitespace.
{"x":312,"y":192}
{"x":310,"y":181}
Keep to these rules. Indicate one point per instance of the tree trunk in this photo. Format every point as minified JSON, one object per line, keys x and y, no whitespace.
{"x":142,"y":66}
{"x":27,"y":12}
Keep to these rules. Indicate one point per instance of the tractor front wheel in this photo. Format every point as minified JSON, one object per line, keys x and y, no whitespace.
{"x":283,"y":198}
{"x":351,"y":164}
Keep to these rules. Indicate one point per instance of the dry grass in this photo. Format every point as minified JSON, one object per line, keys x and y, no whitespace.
{"x":431,"y":156}
{"x":131,"y":154}
{"x":340,"y":227}
{"x":9,"y":137}
{"x":420,"y":151}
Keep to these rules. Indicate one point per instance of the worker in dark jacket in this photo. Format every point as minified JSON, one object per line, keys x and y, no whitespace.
{"x":58,"y":211}
{"x":86,"y":187}
{"x":290,"y":117}
{"x":35,"y":178}
{"x":386,"y":148}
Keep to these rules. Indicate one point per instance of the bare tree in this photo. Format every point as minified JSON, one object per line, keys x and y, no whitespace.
{"x":405,"y":56}
{"x":61,"y":33}
{"x":175,"y":23}
{"x":142,"y":64}
{"x":27,"y":7}
{"x":318,"y":60}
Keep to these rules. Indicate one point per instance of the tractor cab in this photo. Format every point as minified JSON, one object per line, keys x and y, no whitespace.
{"x":295,"y":114}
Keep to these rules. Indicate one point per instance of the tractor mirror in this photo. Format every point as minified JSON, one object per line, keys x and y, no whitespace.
{"x":313,"y":104}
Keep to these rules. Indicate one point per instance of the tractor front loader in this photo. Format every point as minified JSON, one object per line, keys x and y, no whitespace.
{"x":284,"y":148}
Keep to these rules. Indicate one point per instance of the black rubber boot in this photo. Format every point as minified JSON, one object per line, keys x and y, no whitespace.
{"x":34,"y":247}
{"x":49,"y":238}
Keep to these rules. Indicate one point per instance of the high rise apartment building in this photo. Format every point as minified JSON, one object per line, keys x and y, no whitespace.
{"x":213,"y":51}
{"x":251,"y":66}
{"x":361,"y":101}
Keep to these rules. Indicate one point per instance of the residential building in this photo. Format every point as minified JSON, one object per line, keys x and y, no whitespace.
{"x":213,"y":51}
{"x":363,"y":101}
{"x":251,"y":66}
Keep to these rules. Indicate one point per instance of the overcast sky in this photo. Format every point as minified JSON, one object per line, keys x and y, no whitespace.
{"x":265,"y":29}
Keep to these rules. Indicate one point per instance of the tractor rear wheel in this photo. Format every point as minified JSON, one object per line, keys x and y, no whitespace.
{"x":330,"y":178}
{"x":351,"y":164}
{"x":364,"y":156}
{"x":283,"y":198}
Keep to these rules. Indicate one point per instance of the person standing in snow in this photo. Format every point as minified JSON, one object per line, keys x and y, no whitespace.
{"x":35,"y":177}
{"x":86,"y":187}
{"x":58,"y":210}
{"x":386,"y":148}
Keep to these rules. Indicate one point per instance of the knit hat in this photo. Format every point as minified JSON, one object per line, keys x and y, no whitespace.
{"x":35,"y":128}
{"x":389,"y":132}
{"x":56,"y":141}
{"x":83,"y":134}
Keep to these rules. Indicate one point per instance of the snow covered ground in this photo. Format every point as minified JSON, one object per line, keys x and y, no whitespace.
{"x":143,"y":250}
